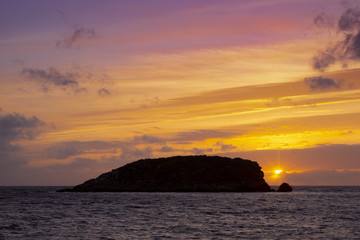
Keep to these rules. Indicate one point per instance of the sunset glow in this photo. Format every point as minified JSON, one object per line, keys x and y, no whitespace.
{"x":88,"y":86}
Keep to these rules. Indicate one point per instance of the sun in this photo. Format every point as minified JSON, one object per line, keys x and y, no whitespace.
{"x":278,"y":171}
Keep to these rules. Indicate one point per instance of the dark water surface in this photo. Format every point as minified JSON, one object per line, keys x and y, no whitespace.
{"x":306,"y":213}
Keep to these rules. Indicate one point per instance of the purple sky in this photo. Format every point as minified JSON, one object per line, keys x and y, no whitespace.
{"x":88,"y":86}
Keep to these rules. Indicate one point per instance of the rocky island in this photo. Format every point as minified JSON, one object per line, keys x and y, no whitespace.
{"x":180,"y":174}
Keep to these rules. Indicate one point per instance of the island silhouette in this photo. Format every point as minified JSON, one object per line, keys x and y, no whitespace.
{"x":199,"y":173}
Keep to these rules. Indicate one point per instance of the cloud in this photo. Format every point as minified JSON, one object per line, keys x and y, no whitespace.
{"x":322,"y":83}
{"x":199,"y":151}
{"x":345,"y":49}
{"x":147,"y":139}
{"x":225,"y":147}
{"x":62,"y":152}
{"x":324,"y":59}
{"x":76,"y":36}
{"x":104,"y":92}
{"x":349,"y":20}
{"x":13,"y":128}
{"x":75,"y":164}
{"x":53,"y":78}
{"x":129,"y":154}
{"x":200,"y":135}
{"x":65,"y":150}
{"x":323,"y":20}
{"x":166,"y":149}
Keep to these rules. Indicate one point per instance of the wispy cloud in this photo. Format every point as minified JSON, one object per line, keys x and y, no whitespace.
{"x":128,"y":148}
{"x":76,"y":164}
{"x":345,"y":49}
{"x":200,"y":135}
{"x":62,"y":151}
{"x":166,"y":149}
{"x":147,"y":139}
{"x":200,"y":151}
{"x":324,"y":20}
{"x":225,"y":147}
{"x":103,"y":92}
{"x":76,"y":36}
{"x":68,"y":149}
{"x":52,"y":78}
{"x":131,"y":154}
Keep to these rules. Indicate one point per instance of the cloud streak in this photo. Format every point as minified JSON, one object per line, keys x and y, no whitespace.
{"x":200,"y":135}
{"x":76,"y":164}
{"x":65,"y":150}
{"x":129,"y":149}
{"x":52,"y":78}
{"x":76,"y":36}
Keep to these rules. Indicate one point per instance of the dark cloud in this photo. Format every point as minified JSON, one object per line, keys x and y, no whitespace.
{"x":349,"y":20}
{"x":323,"y":20}
{"x":104,"y":92}
{"x":347,"y":48}
{"x":322,"y":83}
{"x":13,"y":128}
{"x":76,"y":36}
{"x":53,"y":78}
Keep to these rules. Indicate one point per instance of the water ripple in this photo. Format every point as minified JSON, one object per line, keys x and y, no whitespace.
{"x":308,"y":213}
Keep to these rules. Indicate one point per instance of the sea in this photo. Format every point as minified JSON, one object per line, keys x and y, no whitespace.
{"x":306,"y":213}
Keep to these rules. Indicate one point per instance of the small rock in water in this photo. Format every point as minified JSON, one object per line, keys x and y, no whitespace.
{"x":285,"y":187}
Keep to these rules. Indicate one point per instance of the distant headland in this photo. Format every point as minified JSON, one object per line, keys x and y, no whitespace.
{"x":199,"y":173}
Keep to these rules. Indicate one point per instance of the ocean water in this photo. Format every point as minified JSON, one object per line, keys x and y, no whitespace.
{"x":306,"y":213}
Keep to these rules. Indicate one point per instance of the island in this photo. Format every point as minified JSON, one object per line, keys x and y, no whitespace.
{"x":198,"y":173}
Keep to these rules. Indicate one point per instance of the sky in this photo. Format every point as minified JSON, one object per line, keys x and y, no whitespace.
{"x":88,"y":86}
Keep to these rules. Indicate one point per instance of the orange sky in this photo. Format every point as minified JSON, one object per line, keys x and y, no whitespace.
{"x":89,"y":86}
